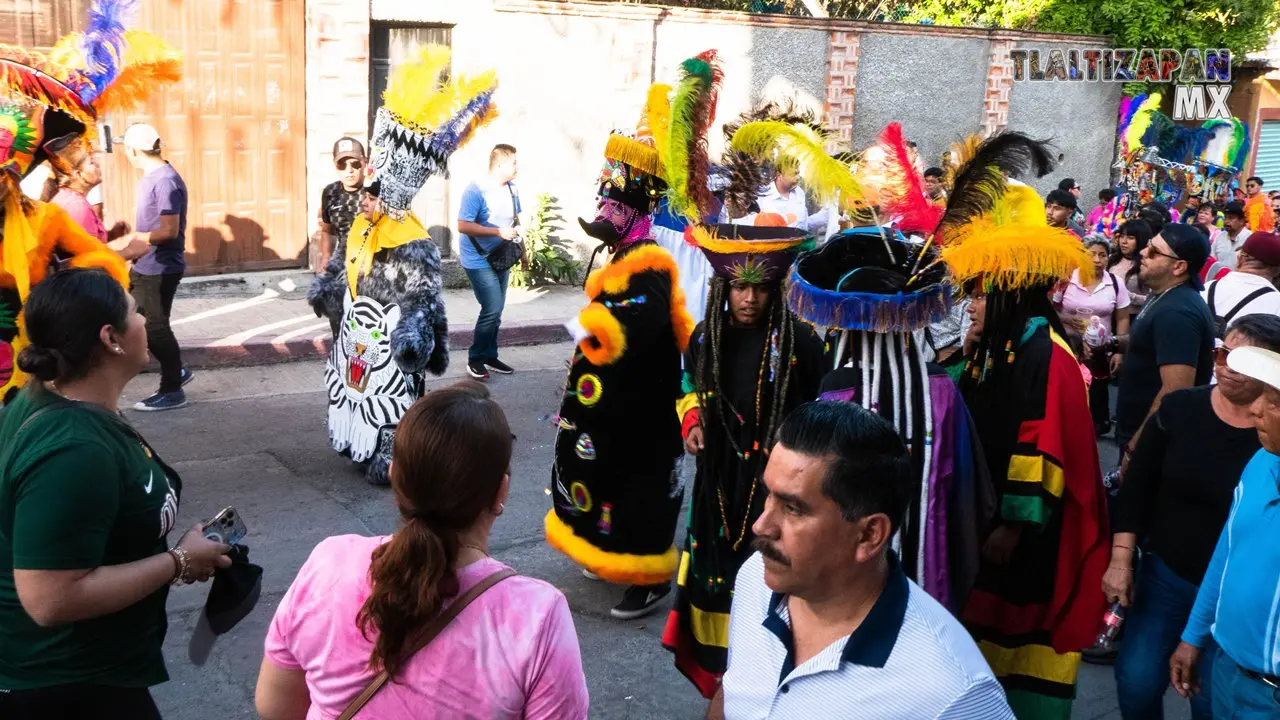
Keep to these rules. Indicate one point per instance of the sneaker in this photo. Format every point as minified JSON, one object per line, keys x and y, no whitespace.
{"x":499,"y":367}
{"x":639,"y":600}
{"x":187,"y":377}
{"x":590,"y":575}
{"x":476,"y":369}
{"x":163,"y":401}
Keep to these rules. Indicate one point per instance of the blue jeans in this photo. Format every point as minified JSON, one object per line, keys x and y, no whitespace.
{"x":1153,"y":626}
{"x":1237,"y":696}
{"x":491,"y":292}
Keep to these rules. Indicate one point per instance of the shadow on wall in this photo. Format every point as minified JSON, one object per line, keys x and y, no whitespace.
{"x":236,"y":243}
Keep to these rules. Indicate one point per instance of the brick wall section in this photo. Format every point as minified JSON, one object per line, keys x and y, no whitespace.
{"x":842,"y":82}
{"x":995,"y":110}
{"x":337,"y":91}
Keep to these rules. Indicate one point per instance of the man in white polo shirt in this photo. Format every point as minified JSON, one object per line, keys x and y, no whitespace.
{"x":824,"y":622}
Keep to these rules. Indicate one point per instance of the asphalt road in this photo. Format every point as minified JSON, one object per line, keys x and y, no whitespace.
{"x":255,"y":438}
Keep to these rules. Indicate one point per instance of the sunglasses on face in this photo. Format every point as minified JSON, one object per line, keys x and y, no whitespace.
{"x":351,"y":164}
{"x":1153,"y":250}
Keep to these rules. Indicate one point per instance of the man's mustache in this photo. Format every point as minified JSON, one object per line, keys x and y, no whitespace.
{"x":767,"y":549}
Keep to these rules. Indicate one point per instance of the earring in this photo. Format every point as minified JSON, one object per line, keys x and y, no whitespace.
{"x":118,"y":350}
{"x":502,"y":507}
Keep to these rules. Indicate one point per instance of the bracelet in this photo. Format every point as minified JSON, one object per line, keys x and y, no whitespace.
{"x":181,"y":565}
{"x":1125,"y":547}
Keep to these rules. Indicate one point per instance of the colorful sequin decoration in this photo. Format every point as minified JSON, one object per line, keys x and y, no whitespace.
{"x":606,"y":519}
{"x":589,"y":389}
{"x":627,"y":302}
{"x":580,"y":497}
{"x":584,"y":448}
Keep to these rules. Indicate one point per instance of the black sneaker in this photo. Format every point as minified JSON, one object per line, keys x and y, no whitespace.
{"x":499,"y":367}
{"x":640,"y":600}
{"x":187,"y":377}
{"x":475,"y":369}
{"x":163,"y":401}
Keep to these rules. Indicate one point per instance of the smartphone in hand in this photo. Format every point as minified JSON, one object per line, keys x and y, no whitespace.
{"x":226,"y":527}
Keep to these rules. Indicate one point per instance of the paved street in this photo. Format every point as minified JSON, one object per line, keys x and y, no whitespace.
{"x":255,"y":438}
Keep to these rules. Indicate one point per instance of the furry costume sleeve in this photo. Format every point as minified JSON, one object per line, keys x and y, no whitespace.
{"x":57,"y":231}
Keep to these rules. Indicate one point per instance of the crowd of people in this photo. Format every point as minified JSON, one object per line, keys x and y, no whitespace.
{"x":891,"y":379}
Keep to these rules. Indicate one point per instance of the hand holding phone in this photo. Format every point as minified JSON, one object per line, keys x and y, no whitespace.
{"x":227,"y":527}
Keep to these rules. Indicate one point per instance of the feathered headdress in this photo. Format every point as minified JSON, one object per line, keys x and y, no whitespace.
{"x":756,"y":254}
{"x":640,"y":150}
{"x":899,"y":183}
{"x":859,"y":280}
{"x":800,"y":147}
{"x":693,"y":107}
{"x":424,"y":118}
{"x":982,"y":181}
{"x":747,"y":175}
{"x":1140,"y":118}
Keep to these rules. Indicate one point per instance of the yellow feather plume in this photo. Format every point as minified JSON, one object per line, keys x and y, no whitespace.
{"x":1017,"y":255}
{"x":418,"y":95}
{"x":657,"y":113}
{"x":1140,"y":122}
{"x":801,"y":148}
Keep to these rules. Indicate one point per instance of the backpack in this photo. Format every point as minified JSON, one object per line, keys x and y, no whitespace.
{"x":1221,"y":322}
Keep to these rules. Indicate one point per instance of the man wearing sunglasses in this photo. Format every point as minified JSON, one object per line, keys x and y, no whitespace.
{"x":1170,"y":344}
{"x":340,"y":199}
{"x":1257,"y":207}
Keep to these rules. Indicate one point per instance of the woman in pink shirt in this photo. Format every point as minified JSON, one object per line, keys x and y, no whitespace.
{"x":1106,"y":298}
{"x":358,"y":602}
{"x":74,"y":172}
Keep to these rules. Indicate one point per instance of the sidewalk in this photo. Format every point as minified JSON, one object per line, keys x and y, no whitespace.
{"x":278,"y":325}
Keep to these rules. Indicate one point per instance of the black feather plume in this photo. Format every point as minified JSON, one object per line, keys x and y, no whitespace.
{"x":982,"y":181}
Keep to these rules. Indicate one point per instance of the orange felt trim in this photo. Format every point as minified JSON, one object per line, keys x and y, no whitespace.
{"x":55,"y":229}
{"x":615,"y":277}
{"x":681,"y":321}
{"x":620,"y":568}
{"x":608,"y":340}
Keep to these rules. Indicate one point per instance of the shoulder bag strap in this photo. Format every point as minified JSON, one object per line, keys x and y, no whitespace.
{"x":515,"y":206}
{"x":1247,"y":299}
{"x":437,"y":625}
{"x":1213,"y":289}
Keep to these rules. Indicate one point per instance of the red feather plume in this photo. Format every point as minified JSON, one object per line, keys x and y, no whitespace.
{"x":905,"y":185}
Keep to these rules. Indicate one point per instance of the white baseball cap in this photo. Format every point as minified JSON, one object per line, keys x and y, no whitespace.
{"x":140,"y":136}
{"x":1258,"y":363}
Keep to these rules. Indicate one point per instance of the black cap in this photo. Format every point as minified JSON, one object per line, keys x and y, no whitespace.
{"x":347,"y":147}
{"x":1068,"y":184}
{"x":1235,"y":207}
{"x":1191,"y":245}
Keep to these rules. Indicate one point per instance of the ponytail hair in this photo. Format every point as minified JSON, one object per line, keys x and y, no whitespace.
{"x":452,"y":451}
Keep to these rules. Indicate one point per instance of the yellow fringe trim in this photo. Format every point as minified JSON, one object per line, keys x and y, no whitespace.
{"x":1017,"y":256}
{"x":608,"y":339}
{"x":706,"y":239}
{"x":637,"y":154}
{"x":620,"y":568}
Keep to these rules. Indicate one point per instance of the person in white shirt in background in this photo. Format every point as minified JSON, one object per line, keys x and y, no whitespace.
{"x":1235,"y":233}
{"x":785,"y":197}
{"x":1251,"y":289}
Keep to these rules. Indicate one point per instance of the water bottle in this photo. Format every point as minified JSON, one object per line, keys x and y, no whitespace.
{"x":1095,"y":335}
{"x":1111,"y":622}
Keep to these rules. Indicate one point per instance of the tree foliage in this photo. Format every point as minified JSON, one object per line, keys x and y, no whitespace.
{"x":548,"y":259}
{"x":1243,"y":26}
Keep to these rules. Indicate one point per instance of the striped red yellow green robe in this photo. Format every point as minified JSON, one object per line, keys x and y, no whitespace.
{"x":1033,"y":615}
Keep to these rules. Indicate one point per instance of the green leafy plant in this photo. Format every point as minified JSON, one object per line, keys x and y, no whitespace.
{"x":549,"y":261}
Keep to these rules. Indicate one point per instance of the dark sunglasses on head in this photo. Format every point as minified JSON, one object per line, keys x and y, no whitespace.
{"x":353,"y":164}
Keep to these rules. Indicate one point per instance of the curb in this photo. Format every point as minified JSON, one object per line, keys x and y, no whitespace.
{"x":206,"y":357}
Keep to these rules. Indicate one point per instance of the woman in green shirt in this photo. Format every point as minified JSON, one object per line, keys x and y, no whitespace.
{"x":85,"y":509}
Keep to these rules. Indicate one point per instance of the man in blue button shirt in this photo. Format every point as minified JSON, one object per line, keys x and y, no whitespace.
{"x":824,"y":622}
{"x":1238,"y":605}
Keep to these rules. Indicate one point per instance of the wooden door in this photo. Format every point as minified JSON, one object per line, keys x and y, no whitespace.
{"x":234,"y":128}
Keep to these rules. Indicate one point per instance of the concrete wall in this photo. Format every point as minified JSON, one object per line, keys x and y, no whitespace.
{"x":932,"y":85}
{"x":571,"y":72}
{"x":1072,"y":115}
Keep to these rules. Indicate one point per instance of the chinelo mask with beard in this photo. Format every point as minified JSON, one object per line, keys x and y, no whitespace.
{"x":617,"y":224}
